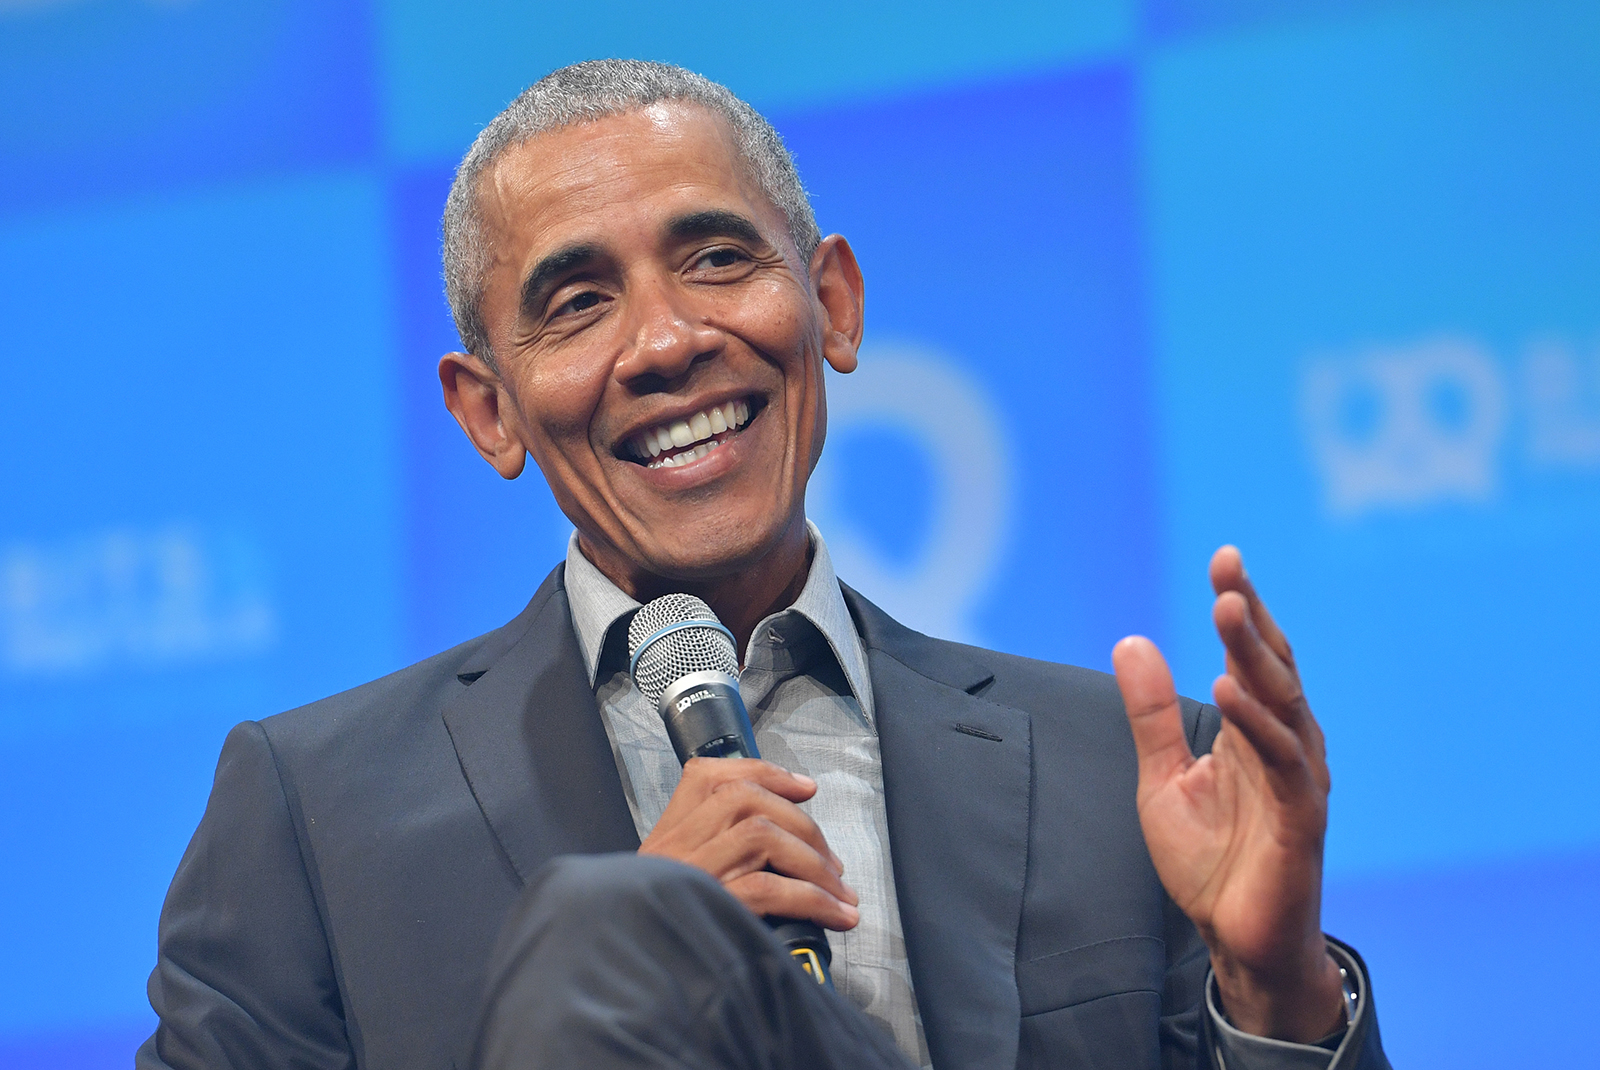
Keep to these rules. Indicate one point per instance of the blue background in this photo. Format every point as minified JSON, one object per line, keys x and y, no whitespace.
{"x":1319,"y":278}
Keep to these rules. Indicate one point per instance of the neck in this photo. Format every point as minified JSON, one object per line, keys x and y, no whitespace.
{"x":742,"y":597}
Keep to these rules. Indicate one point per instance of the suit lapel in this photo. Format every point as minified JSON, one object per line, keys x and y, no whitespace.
{"x":532,"y":745}
{"x":957,"y":777}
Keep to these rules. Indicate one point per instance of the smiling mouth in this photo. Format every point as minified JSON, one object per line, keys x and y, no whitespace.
{"x":679,"y":442}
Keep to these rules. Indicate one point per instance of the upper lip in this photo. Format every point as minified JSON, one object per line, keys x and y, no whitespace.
{"x":620,"y":446}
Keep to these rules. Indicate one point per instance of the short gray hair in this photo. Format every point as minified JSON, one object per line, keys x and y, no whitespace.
{"x":582,"y":93}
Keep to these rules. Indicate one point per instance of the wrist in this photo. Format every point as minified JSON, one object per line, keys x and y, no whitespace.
{"x":1301,"y":1005}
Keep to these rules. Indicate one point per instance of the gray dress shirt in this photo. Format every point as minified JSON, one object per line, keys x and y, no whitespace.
{"x":806,"y":686}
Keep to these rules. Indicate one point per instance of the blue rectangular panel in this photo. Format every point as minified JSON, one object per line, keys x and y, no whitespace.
{"x":110,"y":97}
{"x":1479,"y":967}
{"x":1172,"y":18}
{"x":1377,"y":250}
{"x":988,"y":473}
{"x":449,"y":67}
{"x":89,"y":1049}
{"x":199,"y":527}
{"x":476,"y":547}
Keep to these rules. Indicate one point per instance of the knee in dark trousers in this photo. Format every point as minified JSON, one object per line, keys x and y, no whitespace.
{"x":632,"y":961}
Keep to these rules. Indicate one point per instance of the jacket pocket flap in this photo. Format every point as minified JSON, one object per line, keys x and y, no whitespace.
{"x":1065,"y":978}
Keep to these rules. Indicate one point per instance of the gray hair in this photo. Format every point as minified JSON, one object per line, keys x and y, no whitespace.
{"x":583,"y":93}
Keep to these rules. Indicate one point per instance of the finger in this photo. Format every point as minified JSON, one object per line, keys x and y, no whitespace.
{"x":1275,"y":744}
{"x":742,"y":799}
{"x":772,"y":894}
{"x":1254,"y":663}
{"x":702,"y":777}
{"x":1152,"y":705}
{"x":711,"y":773}
{"x":756,"y":844}
{"x":1228,"y":574}
{"x":726,"y":806}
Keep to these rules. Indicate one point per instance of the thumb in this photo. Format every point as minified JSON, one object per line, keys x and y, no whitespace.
{"x":1151,"y":701}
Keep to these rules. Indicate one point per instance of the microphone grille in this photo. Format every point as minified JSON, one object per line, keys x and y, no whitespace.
{"x":661,"y":656}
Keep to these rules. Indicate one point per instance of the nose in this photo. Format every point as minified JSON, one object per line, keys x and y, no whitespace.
{"x":667,"y":335}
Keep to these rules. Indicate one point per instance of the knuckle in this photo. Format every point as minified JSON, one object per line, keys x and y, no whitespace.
{"x":760,"y":887}
{"x":757,"y":825}
{"x":739,"y":795}
{"x":755,"y":832}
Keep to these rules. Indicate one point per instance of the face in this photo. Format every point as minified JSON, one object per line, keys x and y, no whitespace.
{"x":660,"y":344}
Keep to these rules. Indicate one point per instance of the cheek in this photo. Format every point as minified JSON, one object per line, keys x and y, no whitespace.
{"x":560,"y":399}
{"x":771,"y":315}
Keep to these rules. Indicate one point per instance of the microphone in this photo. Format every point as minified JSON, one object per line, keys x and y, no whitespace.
{"x":684,"y":661}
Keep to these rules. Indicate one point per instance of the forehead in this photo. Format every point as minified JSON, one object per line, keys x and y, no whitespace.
{"x":617,"y":180}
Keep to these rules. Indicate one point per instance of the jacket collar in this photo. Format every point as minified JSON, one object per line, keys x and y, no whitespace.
{"x":957,"y":778}
{"x":531,"y":743}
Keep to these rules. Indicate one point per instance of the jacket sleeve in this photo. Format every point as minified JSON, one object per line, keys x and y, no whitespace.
{"x":244,"y":976}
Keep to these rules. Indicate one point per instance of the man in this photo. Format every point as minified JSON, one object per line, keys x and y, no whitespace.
{"x":1015,"y":871}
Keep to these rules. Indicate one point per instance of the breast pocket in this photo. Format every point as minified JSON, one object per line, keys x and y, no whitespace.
{"x":1126,"y":964}
{"x":1093,"y":1006}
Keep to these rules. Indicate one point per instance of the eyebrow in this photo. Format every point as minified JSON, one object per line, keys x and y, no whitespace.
{"x":549,"y":271}
{"x":713,"y":222}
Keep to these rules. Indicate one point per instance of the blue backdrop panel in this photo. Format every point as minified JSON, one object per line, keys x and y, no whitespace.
{"x":1377,"y":252}
{"x":1485,"y":965}
{"x":476,"y":546}
{"x":113,"y":95}
{"x":450,"y":67}
{"x":204,"y":530}
{"x":999,"y":234}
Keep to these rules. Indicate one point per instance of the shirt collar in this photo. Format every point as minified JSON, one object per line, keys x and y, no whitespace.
{"x":598,"y":605}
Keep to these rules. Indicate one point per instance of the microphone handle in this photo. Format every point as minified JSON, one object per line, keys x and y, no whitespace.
{"x":706,"y":718}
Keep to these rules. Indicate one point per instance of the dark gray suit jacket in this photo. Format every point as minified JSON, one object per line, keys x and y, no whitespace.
{"x":337,"y":905}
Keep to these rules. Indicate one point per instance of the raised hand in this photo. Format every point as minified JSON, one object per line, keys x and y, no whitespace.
{"x":736,"y":819}
{"x":1236,"y":835}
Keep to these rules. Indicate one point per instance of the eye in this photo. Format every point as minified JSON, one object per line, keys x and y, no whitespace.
{"x":579,"y":302}
{"x":720,"y":258}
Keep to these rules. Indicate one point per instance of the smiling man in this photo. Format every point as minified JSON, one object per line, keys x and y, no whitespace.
{"x":1021,"y":864}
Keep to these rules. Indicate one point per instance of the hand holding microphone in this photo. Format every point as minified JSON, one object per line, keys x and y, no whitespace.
{"x":733,"y":815}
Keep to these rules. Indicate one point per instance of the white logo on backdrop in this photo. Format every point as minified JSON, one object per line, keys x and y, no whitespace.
{"x":1413,"y":453}
{"x":145,"y":598}
{"x":1563,"y":404}
{"x":1407,"y":426}
{"x":951,"y":418}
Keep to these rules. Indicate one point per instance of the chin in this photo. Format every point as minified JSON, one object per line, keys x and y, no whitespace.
{"x":708,"y":551}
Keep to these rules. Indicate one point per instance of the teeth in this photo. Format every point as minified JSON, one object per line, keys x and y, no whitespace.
{"x":652,"y":445}
{"x":686,"y":456}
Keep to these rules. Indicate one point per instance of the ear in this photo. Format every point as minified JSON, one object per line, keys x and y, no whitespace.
{"x":836,"y":279}
{"x":478,"y":400}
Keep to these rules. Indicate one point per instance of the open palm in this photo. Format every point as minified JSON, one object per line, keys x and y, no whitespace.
{"x":1236,"y":835}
